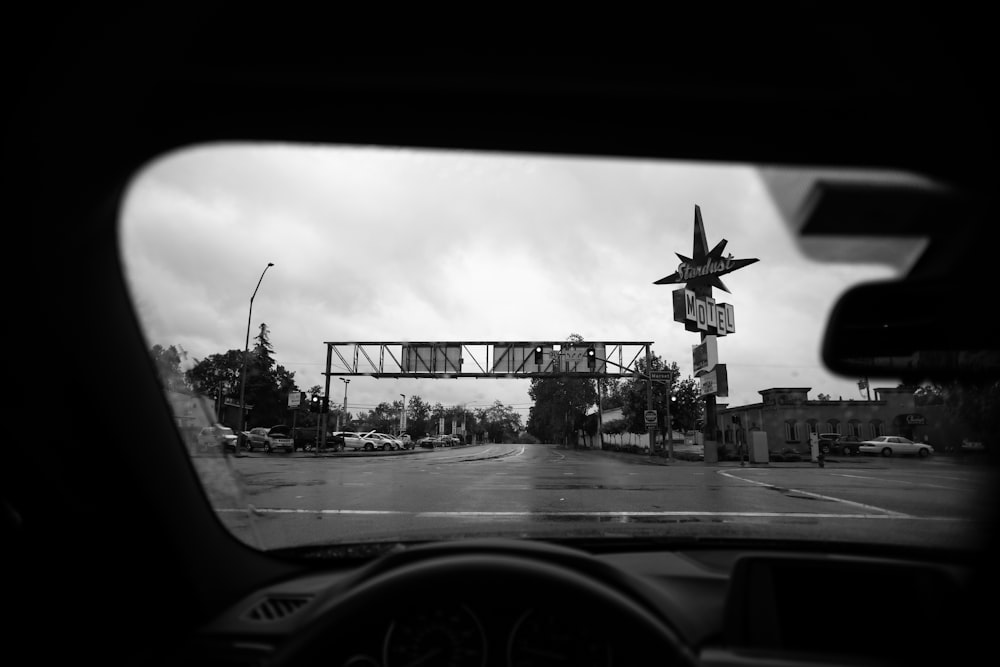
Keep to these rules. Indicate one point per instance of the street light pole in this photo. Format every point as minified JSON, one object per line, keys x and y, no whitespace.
{"x":246,"y":351}
{"x":346,"y":381}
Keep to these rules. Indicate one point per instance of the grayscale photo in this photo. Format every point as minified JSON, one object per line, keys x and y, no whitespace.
{"x":660,"y":344}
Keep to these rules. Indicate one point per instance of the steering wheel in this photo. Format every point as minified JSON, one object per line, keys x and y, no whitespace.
{"x":495,"y":573}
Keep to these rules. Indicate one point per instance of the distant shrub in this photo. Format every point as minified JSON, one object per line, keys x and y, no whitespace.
{"x":527,"y":439}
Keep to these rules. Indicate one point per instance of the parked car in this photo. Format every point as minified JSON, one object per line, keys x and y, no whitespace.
{"x":269,"y":439}
{"x":407,"y":441}
{"x":363,"y":441}
{"x":388,"y":441}
{"x":427,"y":442}
{"x":835,"y":443}
{"x":335,"y":441}
{"x":306,"y":439}
{"x":891,"y":445}
{"x":217,"y":438}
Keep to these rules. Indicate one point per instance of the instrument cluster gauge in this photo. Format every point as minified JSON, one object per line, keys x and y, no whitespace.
{"x":449,"y":636}
{"x":543,"y":638}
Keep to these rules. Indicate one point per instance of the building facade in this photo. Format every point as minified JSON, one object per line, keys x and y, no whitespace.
{"x":789,"y":417}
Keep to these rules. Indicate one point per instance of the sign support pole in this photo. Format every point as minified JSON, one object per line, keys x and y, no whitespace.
{"x":670,"y":426}
{"x":708,"y":435}
{"x":649,"y":401}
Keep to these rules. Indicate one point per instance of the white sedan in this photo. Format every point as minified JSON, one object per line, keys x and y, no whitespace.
{"x":217,"y":438}
{"x":891,"y":445}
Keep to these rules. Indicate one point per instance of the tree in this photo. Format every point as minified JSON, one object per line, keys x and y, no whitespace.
{"x":686,"y":406}
{"x":499,"y":422}
{"x":611,"y":393}
{"x":418,"y":414}
{"x":168,"y":367}
{"x":823,"y":397}
{"x":267,"y":384}
{"x":383,"y":418}
{"x":217,"y":374}
{"x":560,"y":404}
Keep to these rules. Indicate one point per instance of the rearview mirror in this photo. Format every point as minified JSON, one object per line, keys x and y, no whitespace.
{"x":915,"y":330}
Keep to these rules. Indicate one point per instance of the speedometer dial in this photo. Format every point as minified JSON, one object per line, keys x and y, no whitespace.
{"x":450,"y":637}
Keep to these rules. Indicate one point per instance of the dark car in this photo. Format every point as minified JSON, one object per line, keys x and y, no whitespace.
{"x":835,"y":443}
{"x":306,"y":438}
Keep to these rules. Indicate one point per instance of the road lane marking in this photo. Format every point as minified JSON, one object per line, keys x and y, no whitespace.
{"x":863,"y":506}
{"x":900,"y":481}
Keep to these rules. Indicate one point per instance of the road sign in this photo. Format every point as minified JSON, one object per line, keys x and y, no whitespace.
{"x":294,"y":398}
{"x":650,"y":417}
{"x":660,"y":375}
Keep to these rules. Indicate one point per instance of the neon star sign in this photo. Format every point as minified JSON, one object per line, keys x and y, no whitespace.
{"x":705,"y":267}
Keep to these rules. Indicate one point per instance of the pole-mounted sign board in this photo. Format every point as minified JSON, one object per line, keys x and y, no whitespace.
{"x":705,"y":355}
{"x":715,"y":381}
{"x":650,"y":416}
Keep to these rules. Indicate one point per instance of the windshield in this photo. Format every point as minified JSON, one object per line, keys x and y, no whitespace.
{"x":583,"y":348}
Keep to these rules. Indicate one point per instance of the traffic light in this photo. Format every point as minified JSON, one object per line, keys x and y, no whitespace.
{"x":538,"y":355}
{"x":591,"y":358}
{"x":314,"y":403}
{"x":325,"y":408}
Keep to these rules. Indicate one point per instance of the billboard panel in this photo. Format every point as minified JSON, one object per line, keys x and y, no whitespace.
{"x":430,"y":358}
{"x":705,"y":355}
{"x":715,"y":381}
{"x":520,"y":358}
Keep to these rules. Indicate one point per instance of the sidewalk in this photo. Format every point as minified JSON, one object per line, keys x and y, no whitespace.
{"x":693,"y":455}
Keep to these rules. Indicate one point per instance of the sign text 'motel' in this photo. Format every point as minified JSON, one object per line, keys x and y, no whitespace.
{"x":705,"y":315}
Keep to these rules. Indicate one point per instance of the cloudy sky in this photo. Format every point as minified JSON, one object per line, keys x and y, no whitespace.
{"x":382,"y":244}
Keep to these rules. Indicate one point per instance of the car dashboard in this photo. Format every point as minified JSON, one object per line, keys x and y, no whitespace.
{"x":519,"y":602}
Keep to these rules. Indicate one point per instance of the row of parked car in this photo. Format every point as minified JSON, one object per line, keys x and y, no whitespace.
{"x":432,"y":441}
{"x":371,"y":441}
{"x":282,"y":438}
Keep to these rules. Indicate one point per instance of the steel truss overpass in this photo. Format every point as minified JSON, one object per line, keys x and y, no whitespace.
{"x":486,"y":359}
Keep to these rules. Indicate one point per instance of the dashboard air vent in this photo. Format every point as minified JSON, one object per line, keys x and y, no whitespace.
{"x":276,"y":608}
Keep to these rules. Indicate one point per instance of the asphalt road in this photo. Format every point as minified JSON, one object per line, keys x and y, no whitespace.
{"x":276,"y":500}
